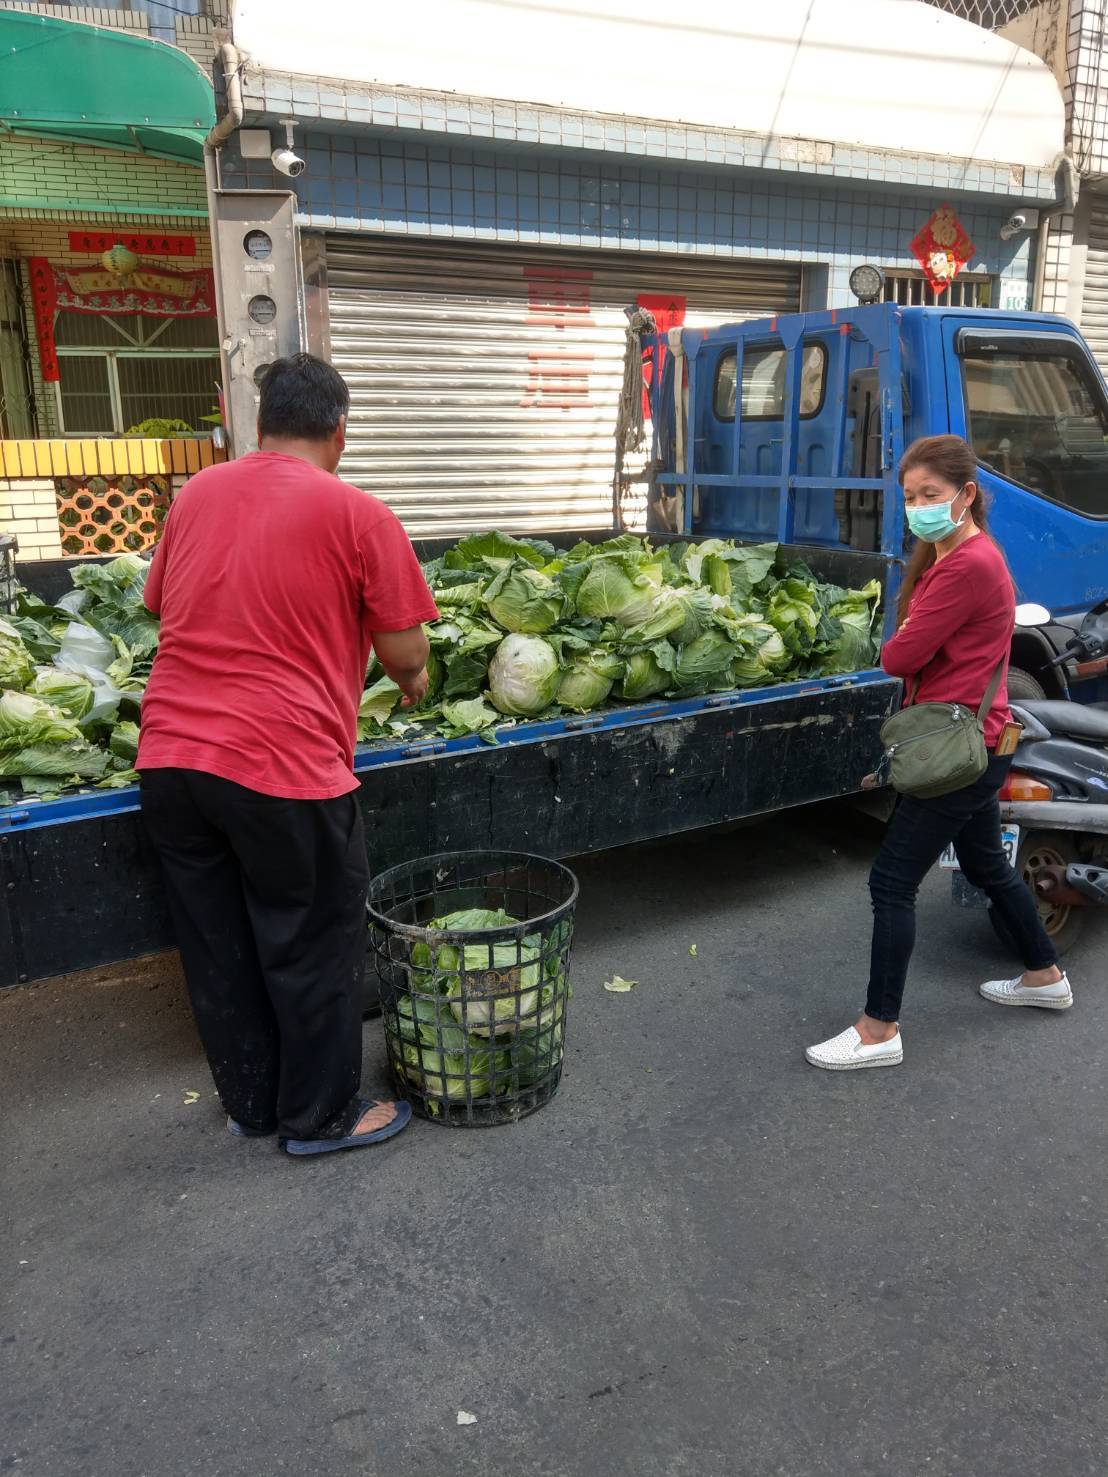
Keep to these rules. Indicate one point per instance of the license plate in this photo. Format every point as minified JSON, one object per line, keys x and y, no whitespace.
{"x":1009,"y":838}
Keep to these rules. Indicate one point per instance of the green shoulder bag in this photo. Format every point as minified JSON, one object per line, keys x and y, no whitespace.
{"x":932,"y":749}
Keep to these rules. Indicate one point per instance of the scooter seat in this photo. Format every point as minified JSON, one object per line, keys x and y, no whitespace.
{"x":1075,"y":720}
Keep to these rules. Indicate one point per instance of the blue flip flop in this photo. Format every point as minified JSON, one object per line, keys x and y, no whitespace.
{"x":244,"y":1131}
{"x":352,"y":1140}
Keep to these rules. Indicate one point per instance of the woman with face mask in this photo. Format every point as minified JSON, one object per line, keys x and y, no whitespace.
{"x":955,"y":619}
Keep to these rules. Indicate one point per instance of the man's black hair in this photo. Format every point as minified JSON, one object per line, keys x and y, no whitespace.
{"x":302,"y":398}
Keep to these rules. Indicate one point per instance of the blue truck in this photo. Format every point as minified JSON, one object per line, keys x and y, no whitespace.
{"x":786,"y":429}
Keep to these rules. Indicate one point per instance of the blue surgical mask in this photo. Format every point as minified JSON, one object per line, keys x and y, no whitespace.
{"x":933,"y":522}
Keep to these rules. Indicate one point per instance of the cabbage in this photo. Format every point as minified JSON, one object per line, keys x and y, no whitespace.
{"x":495,"y":549}
{"x":856,"y":646}
{"x":647,"y":672}
{"x":453,"y":1076}
{"x":523,"y":600}
{"x":124,"y":741}
{"x":16,"y":666}
{"x":73,"y":761}
{"x":376,"y":707}
{"x":26,"y":721}
{"x":471,"y":715}
{"x":64,"y":690}
{"x":794,"y":612}
{"x":615,"y":589}
{"x":588,"y":680}
{"x":704,"y":663}
{"x":523,"y":676}
{"x":498,"y":991}
{"x":666,"y":618}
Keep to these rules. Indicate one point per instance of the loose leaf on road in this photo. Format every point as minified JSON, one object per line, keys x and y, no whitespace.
{"x":618,"y":985}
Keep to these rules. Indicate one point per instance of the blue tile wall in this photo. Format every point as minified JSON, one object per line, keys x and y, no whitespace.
{"x":368,"y":182}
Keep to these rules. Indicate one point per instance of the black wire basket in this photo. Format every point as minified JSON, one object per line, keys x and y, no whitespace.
{"x":472,"y":950}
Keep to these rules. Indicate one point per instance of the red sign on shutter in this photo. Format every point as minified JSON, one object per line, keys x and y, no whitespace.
{"x":668,"y":311}
{"x":557,"y":377}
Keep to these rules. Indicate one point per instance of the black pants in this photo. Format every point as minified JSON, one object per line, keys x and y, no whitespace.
{"x":268,"y":903}
{"x":918,"y":834}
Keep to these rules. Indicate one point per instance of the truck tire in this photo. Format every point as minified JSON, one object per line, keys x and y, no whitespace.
{"x":1062,"y":921}
{"x":1021,"y":684}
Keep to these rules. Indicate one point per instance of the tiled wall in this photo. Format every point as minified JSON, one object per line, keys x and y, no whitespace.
{"x":1056,"y":284}
{"x":328,"y":102}
{"x":362,"y":182}
{"x":1086,"y":90}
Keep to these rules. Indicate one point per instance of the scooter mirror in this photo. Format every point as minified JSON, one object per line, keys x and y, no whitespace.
{"x":1032,"y":615}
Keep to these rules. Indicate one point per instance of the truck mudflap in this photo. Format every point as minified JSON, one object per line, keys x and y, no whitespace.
{"x":81,"y":886}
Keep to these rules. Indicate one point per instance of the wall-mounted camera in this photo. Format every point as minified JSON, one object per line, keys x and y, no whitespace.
{"x":1019,"y":220}
{"x":287,"y":161}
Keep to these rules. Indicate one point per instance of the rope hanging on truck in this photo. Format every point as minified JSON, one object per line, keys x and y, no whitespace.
{"x":630,"y":429}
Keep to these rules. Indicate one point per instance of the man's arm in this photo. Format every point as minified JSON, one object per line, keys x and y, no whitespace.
{"x":396,"y":603}
{"x":403,"y":654}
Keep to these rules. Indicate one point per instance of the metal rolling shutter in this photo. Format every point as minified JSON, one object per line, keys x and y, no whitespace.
{"x":1094,"y":301}
{"x":485,"y":379}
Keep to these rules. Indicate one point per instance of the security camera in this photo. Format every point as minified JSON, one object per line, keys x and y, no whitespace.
{"x":1020,"y":220}
{"x":287,"y":160}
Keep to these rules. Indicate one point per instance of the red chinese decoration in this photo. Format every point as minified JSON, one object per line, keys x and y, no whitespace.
{"x":668,"y":312}
{"x":942,"y":248}
{"x":142,"y":243}
{"x":557,"y":378}
{"x":159,"y":292}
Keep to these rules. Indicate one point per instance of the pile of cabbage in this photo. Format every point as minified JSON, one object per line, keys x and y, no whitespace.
{"x":528,"y":631}
{"x":480,"y":1019}
{"x":71,"y":680}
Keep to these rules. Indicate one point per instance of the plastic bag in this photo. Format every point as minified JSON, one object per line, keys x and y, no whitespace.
{"x":85,"y":651}
{"x":88,"y":654}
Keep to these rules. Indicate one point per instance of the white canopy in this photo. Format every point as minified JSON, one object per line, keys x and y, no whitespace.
{"x":885,"y":74}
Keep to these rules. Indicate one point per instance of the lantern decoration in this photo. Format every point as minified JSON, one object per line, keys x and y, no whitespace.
{"x":121,"y":261}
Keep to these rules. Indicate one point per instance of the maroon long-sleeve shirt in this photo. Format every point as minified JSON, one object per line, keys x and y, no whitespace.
{"x":959,"y":626}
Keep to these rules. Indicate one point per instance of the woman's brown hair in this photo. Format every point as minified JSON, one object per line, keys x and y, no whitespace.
{"x":952,"y":460}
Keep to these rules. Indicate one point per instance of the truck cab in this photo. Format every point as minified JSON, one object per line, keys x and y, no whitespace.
{"x":791,"y":428}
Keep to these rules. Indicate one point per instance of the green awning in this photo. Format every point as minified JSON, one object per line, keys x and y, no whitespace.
{"x":62,"y":79}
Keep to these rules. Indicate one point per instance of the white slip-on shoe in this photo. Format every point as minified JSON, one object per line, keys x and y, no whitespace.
{"x":1047,"y":997}
{"x":845,"y":1053}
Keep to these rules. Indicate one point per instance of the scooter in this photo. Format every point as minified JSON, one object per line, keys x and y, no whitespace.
{"x":1054,"y":803}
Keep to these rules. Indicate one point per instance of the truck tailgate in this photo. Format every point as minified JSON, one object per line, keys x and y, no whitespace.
{"x":81,"y":885}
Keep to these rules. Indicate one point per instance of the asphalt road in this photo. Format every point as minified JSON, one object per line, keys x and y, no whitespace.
{"x":703,"y":1259}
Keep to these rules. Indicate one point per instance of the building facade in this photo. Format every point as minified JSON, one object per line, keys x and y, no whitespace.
{"x":473,"y":236}
{"x":109,"y":347}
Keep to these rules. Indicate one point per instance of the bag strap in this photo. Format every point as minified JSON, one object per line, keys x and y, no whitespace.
{"x":986,"y":702}
{"x":990,"y":693}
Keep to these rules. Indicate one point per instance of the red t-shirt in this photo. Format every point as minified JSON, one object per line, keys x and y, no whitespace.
{"x":960,"y":622}
{"x":270,"y":579}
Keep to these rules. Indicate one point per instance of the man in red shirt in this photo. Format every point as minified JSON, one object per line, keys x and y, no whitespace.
{"x":274,"y":580}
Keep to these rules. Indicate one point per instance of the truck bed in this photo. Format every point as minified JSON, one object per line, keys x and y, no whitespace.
{"x":81,"y":884}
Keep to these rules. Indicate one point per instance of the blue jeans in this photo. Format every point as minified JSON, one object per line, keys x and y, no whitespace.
{"x":918,"y":834}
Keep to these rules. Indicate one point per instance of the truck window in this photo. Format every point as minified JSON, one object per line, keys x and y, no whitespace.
{"x":1040,"y":419}
{"x":764,"y":384}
